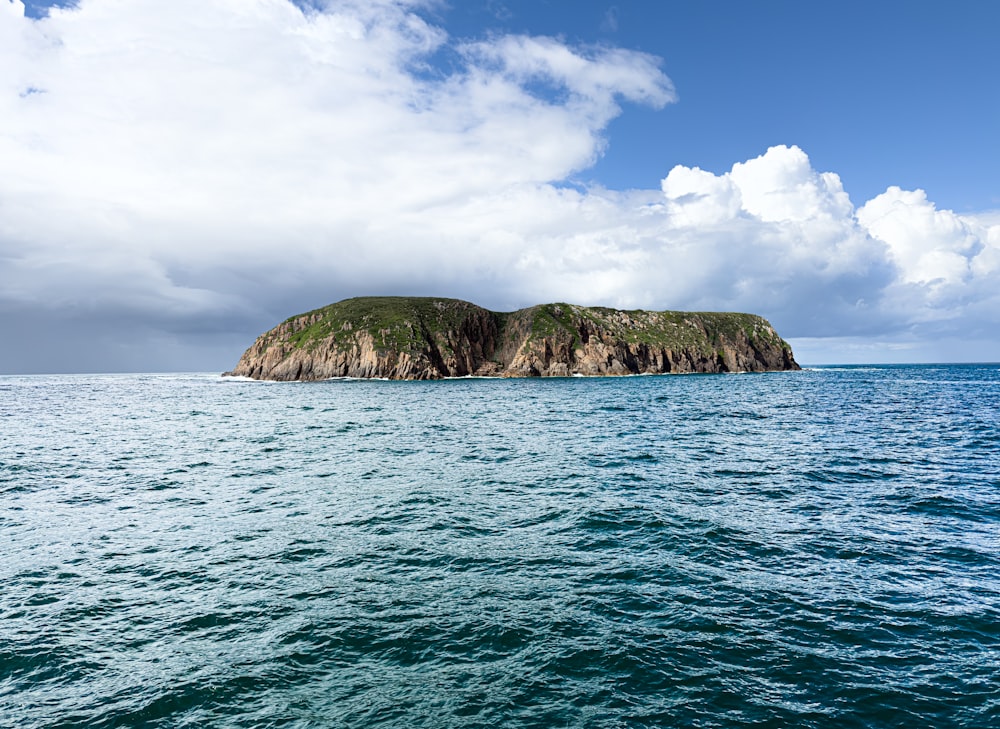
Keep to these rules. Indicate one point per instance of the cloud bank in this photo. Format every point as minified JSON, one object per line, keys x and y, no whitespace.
{"x":176,"y":177}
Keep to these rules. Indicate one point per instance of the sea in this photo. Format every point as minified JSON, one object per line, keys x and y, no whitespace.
{"x":795,"y":549}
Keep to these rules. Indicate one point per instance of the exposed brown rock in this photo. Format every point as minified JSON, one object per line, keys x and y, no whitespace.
{"x":420,"y":339}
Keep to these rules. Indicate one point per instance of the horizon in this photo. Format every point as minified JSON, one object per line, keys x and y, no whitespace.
{"x":806,"y":366}
{"x":177,"y":179}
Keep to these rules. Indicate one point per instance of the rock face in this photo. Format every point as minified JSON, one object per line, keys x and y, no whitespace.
{"x":404,"y":338}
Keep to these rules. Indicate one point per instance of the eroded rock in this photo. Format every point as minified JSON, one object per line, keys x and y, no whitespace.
{"x":424,"y":338}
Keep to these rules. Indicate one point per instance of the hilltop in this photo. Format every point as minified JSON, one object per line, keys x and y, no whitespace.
{"x":414,"y":338}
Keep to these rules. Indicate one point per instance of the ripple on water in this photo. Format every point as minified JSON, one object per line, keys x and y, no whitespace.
{"x":818,"y":549}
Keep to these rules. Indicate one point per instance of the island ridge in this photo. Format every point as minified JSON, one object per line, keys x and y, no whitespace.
{"x":414,"y":338}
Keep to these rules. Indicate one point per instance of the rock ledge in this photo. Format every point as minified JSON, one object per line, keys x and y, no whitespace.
{"x":407,"y":338}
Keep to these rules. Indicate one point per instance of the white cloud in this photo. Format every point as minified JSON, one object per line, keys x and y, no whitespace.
{"x":927,"y":244}
{"x":601,"y":75}
{"x":774,"y":235}
{"x":184,"y":133}
{"x":193,"y":163}
{"x":782,"y":185}
{"x":696,"y":197}
{"x":896,"y":267}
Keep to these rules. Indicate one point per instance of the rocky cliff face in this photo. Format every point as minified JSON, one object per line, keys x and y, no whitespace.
{"x":419,"y":339}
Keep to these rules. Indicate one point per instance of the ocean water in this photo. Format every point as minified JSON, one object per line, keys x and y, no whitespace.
{"x":811,"y":549}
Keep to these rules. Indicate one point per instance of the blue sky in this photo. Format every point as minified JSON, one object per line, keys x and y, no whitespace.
{"x":176,"y":178}
{"x":884,"y":93}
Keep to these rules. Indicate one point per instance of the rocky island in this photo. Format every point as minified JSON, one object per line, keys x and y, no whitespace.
{"x":410,"y":338}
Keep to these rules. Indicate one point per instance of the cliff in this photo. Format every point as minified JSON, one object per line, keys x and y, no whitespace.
{"x":406,"y":338}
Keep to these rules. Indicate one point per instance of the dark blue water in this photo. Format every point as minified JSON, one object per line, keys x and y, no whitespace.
{"x":814,"y":549}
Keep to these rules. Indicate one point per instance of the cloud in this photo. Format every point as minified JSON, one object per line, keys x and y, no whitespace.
{"x":599,"y":76}
{"x":896,"y":267}
{"x":189,"y":132}
{"x":197,"y":170}
{"x":780,"y":238}
{"x":929,"y":246}
{"x":948,"y":278}
{"x":609,"y":24}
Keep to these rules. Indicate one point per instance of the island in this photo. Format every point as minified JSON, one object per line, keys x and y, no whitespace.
{"x":417,"y":338}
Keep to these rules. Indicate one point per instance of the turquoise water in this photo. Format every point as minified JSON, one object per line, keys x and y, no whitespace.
{"x":813,"y":549}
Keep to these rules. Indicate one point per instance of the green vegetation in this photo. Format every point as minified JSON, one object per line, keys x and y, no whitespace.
{"x":426,"y":338}
{"x":409,"y":324}
{"x":664,"y":329}
{"x":553,"y":320}
{"x":396,"y":323}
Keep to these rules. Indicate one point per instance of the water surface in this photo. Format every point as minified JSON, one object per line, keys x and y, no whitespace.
{"x":814,"y":549}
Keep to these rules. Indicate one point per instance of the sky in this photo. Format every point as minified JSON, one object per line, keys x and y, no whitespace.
{"x":176,"y":178}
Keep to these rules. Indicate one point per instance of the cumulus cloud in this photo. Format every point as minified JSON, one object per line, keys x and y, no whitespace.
{"x":193,"y":171}
{"x":896,"y":267}
{"x":929,"y":246}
